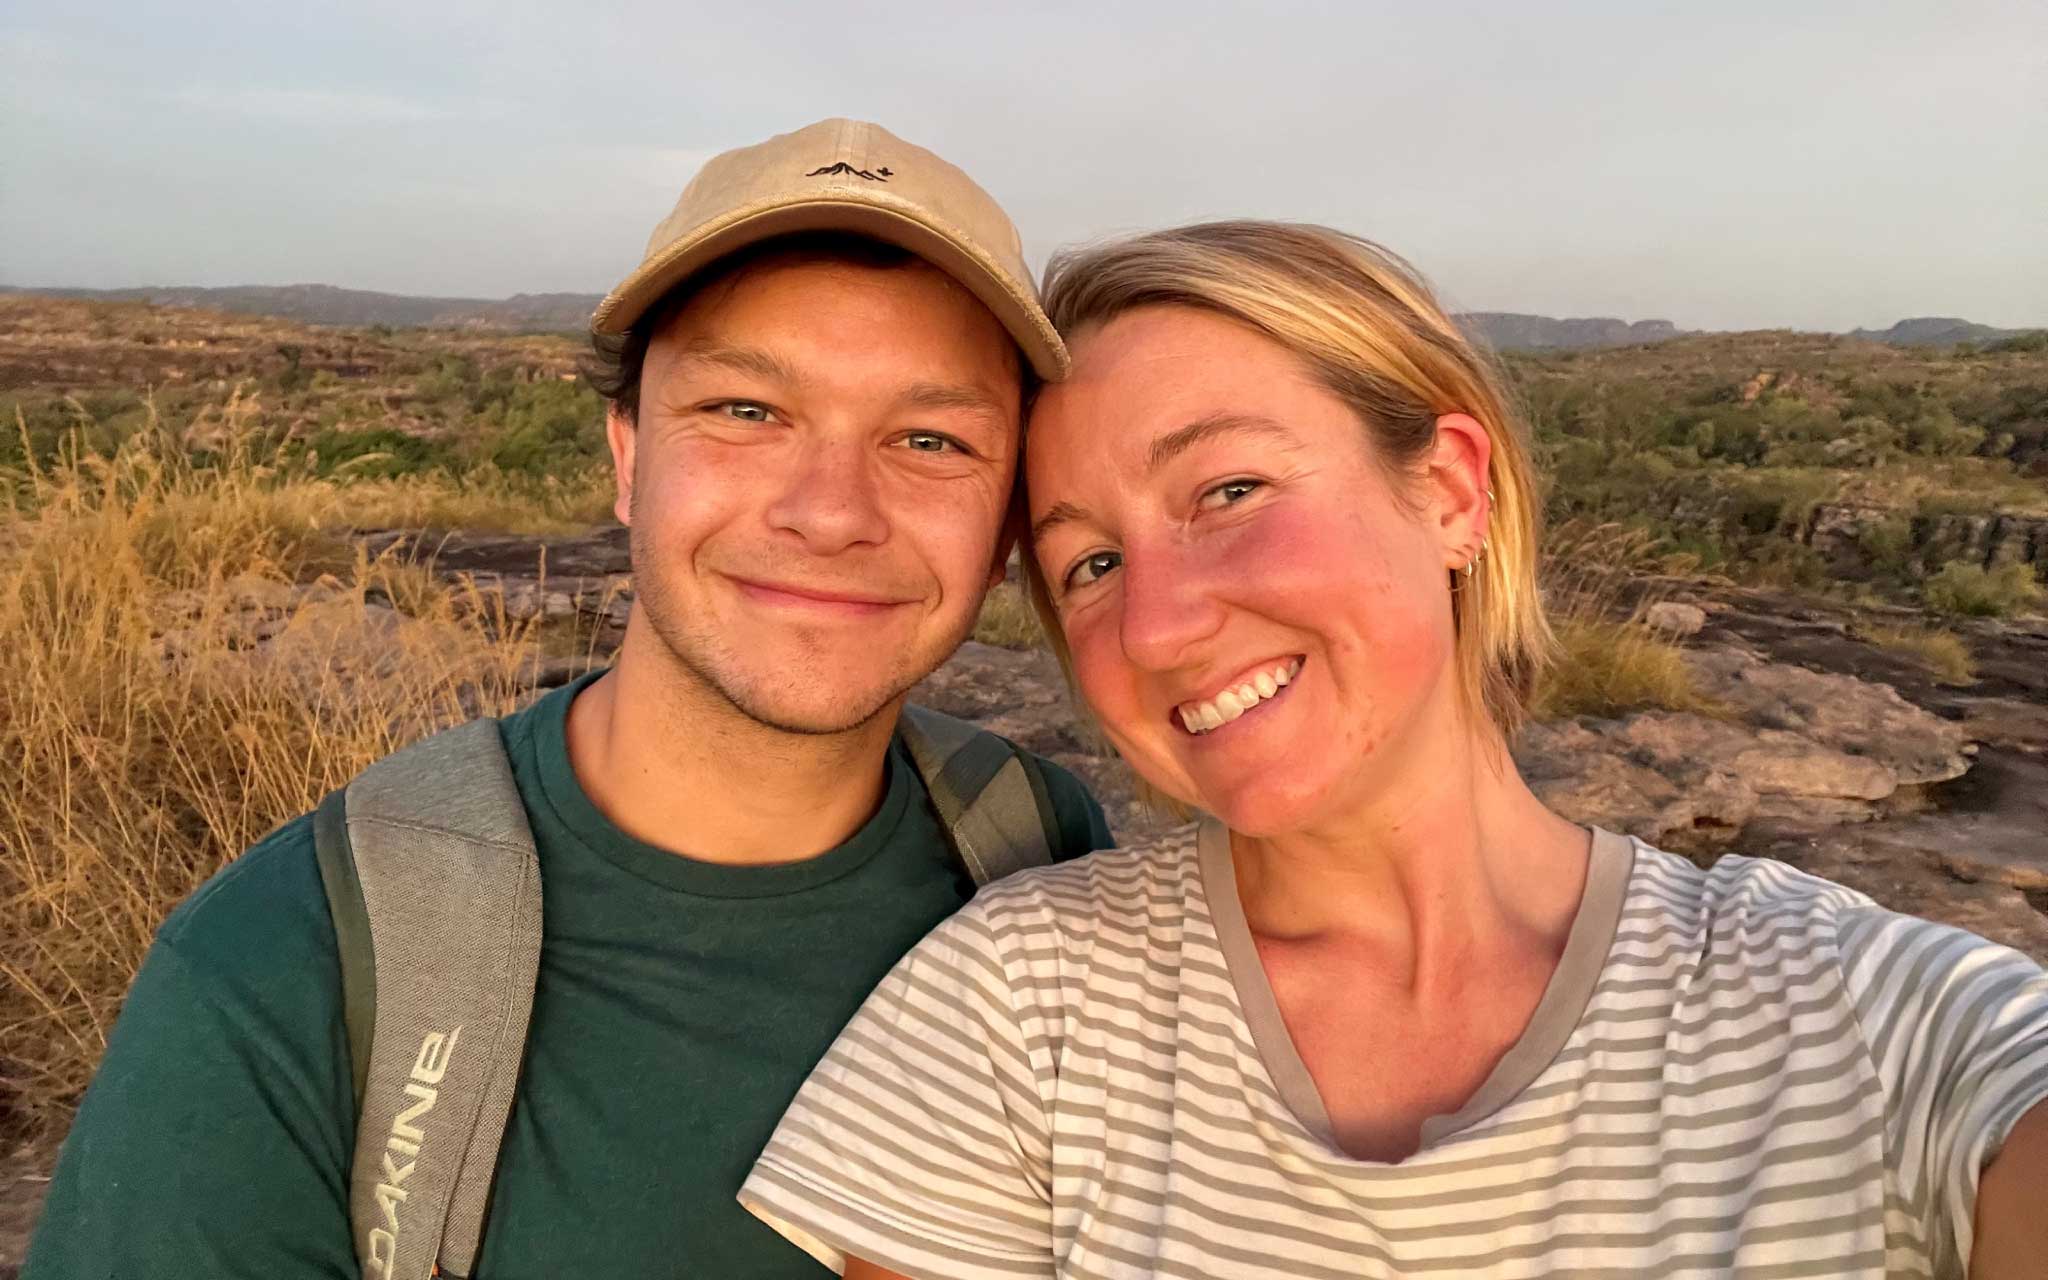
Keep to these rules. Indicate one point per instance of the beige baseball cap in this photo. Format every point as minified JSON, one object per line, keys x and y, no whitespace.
{"x":844,"y":175}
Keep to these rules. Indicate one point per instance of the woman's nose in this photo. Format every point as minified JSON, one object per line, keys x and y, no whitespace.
{"x":829,"y":500}
{"x":1168,"y":609}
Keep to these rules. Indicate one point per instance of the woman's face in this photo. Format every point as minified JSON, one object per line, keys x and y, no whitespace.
{"x":1259,"y":621}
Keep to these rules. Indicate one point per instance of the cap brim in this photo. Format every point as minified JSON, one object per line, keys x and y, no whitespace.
{"x":1011,"y":300}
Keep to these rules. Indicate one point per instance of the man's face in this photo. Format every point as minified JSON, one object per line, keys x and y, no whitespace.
{"x":817,"y":484}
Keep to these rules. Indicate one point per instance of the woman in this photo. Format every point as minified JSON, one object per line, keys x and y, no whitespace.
{"x":1383,"y":1013}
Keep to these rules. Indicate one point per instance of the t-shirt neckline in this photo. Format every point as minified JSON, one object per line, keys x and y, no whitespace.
{"x":573,"y":813}
{"x":1557,"y":1014}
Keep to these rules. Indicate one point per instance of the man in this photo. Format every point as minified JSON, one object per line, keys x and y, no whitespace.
{"x":816,"y":379}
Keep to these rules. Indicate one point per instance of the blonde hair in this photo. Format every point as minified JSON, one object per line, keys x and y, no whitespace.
{"x":1369,"y":329}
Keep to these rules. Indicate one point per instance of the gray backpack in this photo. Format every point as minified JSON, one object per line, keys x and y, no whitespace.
{"x":434,"y":887}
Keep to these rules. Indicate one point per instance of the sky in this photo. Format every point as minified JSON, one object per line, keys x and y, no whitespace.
{"x":1813,"y":164}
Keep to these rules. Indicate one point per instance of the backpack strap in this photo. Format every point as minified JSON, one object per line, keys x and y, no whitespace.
{"x":434,"y":886}
{"x":989,"y":793}
{"x":351,"y":932}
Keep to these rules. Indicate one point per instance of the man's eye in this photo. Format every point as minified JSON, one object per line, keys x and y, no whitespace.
{"x":1229,"y":493}
{"x":1090,"y":568}
{"x":747,"y":411}
{"x":928,"y":442}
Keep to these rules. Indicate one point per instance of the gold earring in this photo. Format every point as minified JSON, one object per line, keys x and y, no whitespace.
{"x":1477,"y":556}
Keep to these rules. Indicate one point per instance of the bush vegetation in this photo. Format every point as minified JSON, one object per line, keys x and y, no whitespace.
{"x":150,"y":740}
{"x":1722,"y":449}
{"x":1608,"y":663}
{"x":170,"y":482}
{"x":1971,"y":590}
{"x":1944,"y":653}
{"x":1007,"y":619}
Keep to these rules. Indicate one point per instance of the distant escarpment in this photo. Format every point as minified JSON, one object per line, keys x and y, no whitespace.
{"x":324,"y":304}
{"x":1938,"y":331}
{"x":1507,"y":331}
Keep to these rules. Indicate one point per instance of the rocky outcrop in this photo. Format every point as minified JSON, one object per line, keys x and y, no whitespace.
{"x":1674,"y":619}
{"x":1792,"y":746}
{"x":1859,"y":718}
{"x":1855,"y":538}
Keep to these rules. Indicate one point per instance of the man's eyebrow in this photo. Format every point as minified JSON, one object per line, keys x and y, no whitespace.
{"x":1060,"y":513}
{"x":749,"y":360}
{"x":1176,"y":442}
{"x":934,"y":395}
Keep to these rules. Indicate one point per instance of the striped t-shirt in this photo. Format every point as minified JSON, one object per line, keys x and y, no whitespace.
{"x":1738,"y":1071}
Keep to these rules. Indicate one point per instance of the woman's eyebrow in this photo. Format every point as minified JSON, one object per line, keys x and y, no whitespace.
{"x":1170,"y":446}
{"x":1179,"y":441}
{"x":1060,"y":513}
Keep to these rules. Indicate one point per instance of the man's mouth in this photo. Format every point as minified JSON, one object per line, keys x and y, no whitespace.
{"x":1250,"y":692}
{"x":829,"y":598}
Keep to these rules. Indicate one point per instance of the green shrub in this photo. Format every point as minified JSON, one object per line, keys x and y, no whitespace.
{"x":1774,"y":502}
{"x":2037,"y":340}
{"x":1974,"y":591}
{"x":1936,"y":432}
{"x":1888,"y":544}
{"x":546,"y":428}
{"x":377,"y":453}
{"x":453,"y":378}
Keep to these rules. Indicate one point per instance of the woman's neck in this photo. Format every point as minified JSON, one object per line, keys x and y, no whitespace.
{"x":1446,"y":862}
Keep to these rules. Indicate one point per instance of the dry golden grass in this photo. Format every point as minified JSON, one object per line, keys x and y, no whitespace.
{"x":172,"y":696}
{"x":1608,"y":663}
{"x":1944,"y":653}
{"x":1607,"y":668}
{"x":1007,"y":619}
{"x":482,"y":500}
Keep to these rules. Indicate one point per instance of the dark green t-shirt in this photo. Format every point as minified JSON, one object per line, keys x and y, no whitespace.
{"x":679,"y":1005}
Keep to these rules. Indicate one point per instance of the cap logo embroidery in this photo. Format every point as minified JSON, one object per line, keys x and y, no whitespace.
{"x":878,"y":175}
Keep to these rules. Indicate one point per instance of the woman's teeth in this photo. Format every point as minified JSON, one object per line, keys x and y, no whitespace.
{"x":1200,"y":717}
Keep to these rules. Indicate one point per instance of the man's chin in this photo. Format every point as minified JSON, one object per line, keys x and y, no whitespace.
{"x":817,"y":713}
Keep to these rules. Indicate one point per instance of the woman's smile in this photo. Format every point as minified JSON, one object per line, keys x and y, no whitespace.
{"x":1257,"y":687}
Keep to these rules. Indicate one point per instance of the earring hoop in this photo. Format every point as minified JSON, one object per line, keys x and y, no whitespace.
{"x":1477,"y":556}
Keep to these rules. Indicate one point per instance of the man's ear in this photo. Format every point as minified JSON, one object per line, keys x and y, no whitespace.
{"x":1459,"y":465}
{"x":623,"y":437}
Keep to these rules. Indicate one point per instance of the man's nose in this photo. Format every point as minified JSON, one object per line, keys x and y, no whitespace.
{"x":829,"y":499}
{"x":1168,"y":609}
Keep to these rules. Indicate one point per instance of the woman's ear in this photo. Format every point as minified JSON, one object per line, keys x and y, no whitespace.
{"x":1459,"y":472}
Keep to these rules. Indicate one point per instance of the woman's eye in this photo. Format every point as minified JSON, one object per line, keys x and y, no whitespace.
{"x":1092,"y":567}
{"x":747,"y":411}
{"x":1229,"y":493}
